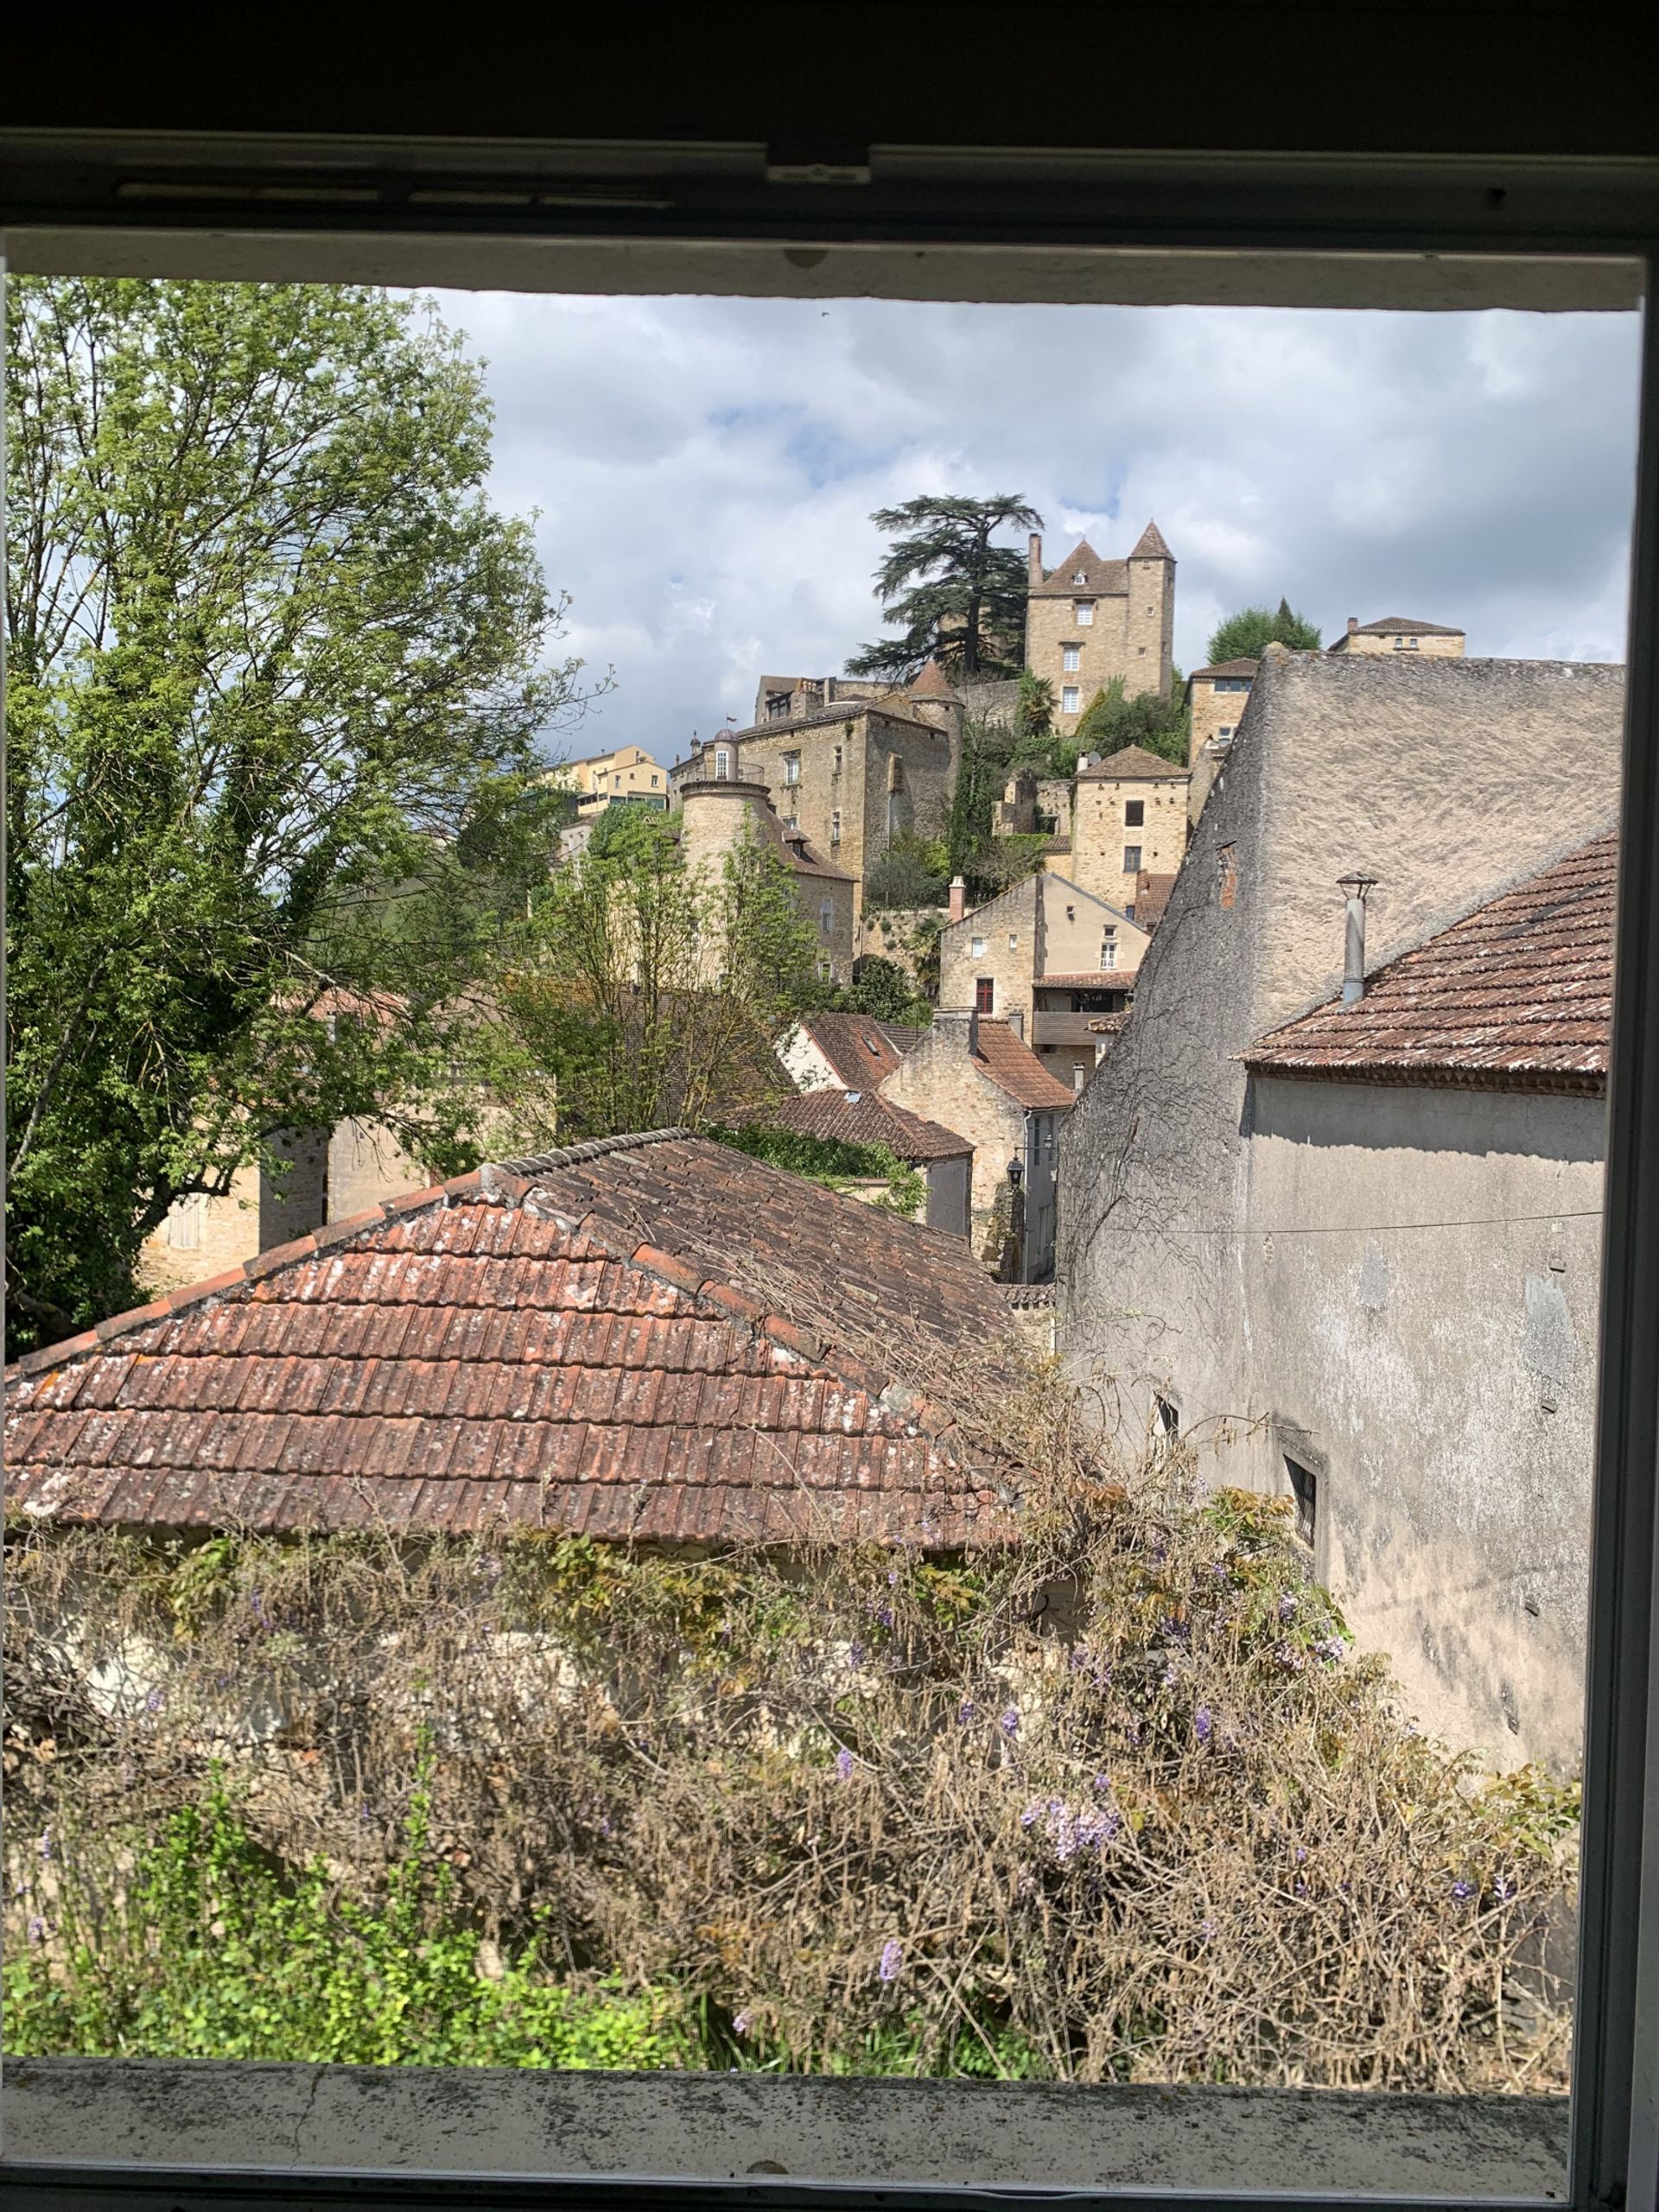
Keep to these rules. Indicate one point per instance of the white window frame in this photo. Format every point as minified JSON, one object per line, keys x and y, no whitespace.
{"x":722,"y":764}
{"x":1070,"y":698}
{"x":1071,"y":659}
{"x":792,"y":767}
{"x":1084,"y":611}
{"x":1257,"y":205}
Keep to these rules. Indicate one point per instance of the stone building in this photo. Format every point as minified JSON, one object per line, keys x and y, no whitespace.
{"x":943,"y":1159}
{"x":1173,"y":1278}
{"x":1091,"y":620}
{"x":719,"y":812}
{"x":1128,"y":817}
{"x":629,"y":773}
{"x":976,"y":1077}
{"x":848,"y":766}
{"x":1215,"y":699}
{"x":1049,"y":959}
{"x":1399,"y":633}
{"x":844,"y":1052}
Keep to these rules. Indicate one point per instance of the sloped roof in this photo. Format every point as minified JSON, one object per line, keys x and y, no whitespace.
{"x":1013,"y":1067}
{"x":1517,"y":996}
{"x":1152,"y":890}
{"x":648,"y":1338}
{"x":1104,"y":577}
{"x":799,"y":856}
{"x":1090,"y":979}
{"x":1242,"y":666}
{"x":863,"y":1117}
{"x":1132,"y":764}
{"x":863,"y":1051}
{"x":1150,"y":545}
{"x":930,"y":682}
{"x":1403,"y":625}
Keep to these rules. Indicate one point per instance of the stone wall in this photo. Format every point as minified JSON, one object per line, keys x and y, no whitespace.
{"x":1131,"y":635}
{"x":938,"y":1079}
{"x":1101,"y":834}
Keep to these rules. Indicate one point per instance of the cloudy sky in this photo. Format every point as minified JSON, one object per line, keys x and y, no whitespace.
{"x":705,"y":469}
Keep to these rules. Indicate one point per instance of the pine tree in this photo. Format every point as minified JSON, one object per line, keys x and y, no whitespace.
{"x":956,"y":598}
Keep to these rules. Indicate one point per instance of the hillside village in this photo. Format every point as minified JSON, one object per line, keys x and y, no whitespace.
{"x":1259,"y":1093}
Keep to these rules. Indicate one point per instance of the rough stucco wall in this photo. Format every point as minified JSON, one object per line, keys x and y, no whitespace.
{"x":1338,"y":762}
{"x":1447,"y":1373}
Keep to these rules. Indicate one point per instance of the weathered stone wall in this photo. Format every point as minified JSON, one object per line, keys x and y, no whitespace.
{"x":1046,"y":926}
{"x":939,"y":1081}
{"x":1100,"y":835}
{"x":1215,"y":707}
{"x":905,"y":935}
{"x":1340,"y":763}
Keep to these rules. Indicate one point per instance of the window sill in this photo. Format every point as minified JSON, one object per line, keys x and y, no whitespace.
{"x":294,"y":2120}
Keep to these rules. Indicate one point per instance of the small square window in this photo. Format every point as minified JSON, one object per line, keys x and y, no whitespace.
{"x":1131,"y":859}
{"x":792,"y":767}
{"x":1068,"y":699}
{"x":826,"y":918}
{"x":1135,"y":813}
{"x":1014,"y":940}
{"x":984,"y":995}
{"x":976,"y":948}
{"x":1071,"y":658}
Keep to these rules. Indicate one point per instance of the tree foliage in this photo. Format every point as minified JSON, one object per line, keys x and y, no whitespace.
{"x":1158,"y":720}
{"x":955,"y":597}
{"x":648,"y":994}
{"x":1242,"y":636}
{"x":883,"y":990}
{"x":274,"y":698}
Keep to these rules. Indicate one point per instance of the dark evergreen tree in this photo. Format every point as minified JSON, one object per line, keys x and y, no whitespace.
{"x":955,"y":597}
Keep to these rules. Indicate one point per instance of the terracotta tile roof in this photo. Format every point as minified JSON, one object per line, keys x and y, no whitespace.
{"x":650,"y":1337}
{"x":1517,"y":996}
{"x":863,"y":1051}
{"x":800,"y":856}
{"x":1105,"y":578}
{"x":1090,"y":979}
{"x":863,"y":1117}
{"x":930,"y":683}
{"x":1013,"y":1067}
{"x":1242,"y":666}
{"x":1132,"y":764}
{"x":1152,"y":891}
{"x":1150,"y":545}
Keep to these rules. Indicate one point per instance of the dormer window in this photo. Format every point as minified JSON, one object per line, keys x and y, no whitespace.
{"x":1081,"y":576}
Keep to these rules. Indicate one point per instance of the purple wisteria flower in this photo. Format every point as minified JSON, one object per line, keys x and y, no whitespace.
{"x":1206,"y":1930}
{"x":45,"y":1843}
{"x":893,"y":1578}
{"x":1089,"y":1829}
{"x":1169,"y":1677}
{"x":1203,"y":1726}
{"x":892,"y":1960}
{"x":36,"y":1928}
{"x":965,"y":1711}
{"x":1289,"y":1656}
{"x":155,"y":1701}
{"x":1287,"y":1606}
{"x":1103,"y":1782}
{"x":1331,"y":1649}
{"x":844,"y":1763}
{"x":256,"y":1602}
{"x":742,"y":2023}
{"x":1009,"y":1723}
{"x":1463,"y":1891}
{"x":856,"y":1655}
{"x":1504,"y":1889}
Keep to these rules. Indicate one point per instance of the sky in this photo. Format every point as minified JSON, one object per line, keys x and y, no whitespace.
{"x":703,"y":471}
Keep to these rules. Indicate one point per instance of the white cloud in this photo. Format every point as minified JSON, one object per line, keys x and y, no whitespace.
{"x":705,"y":469}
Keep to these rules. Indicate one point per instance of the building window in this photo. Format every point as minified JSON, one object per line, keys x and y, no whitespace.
{"x":826,"y":972}
{"x":1080,"y":576}
{"x":792,"y":767}
{"x":835,"y":825}
{"x":1071,"y":658}
{"x":184,"y":1225}
{"x":976,"y":949}
{"x":835,"y":768}
{"x":1135,"y":813}
{"x":1131,"y":859}
{"x":1014,"y":940}
{"x":1226,"y":730}
{"x":1068,"y":699}
{"x":984,"y":994}
{"x":778,"y":706}
{"x":722,"y":762}
{"x":1108,"y":950}
{"x":654,"y":781}
{"x":826,"y":918}
{"x":1168,"y":1420}
{"x":1085,"y":613}
{"x":1305,"y":1488}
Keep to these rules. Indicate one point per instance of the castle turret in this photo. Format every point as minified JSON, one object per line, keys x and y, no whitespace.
{"x":1150,"y":629}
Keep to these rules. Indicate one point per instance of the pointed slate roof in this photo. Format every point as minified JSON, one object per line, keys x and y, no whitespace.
{"x":1150,"y":545}
{"x":930,"y":681}
{"x":1103,"y":577}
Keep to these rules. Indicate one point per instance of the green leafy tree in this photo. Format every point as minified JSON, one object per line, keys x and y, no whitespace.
{"x":1157,"y":721}
{"x":1033,"y":712}
{"x":647,"y":993}
{"x":1242,"y":636}
{"x":883,"y":990}
{"x":272,"y":654}
{"x":954,"y":596}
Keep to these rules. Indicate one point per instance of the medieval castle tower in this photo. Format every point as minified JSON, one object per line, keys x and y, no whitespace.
{"x":1089,"y":619}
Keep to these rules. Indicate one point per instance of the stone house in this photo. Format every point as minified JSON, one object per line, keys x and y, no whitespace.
{"x":1128,"y":816}
{"x":1051,"y":960}
{"x":629,"y":773}
{"x":1172,"y":1277}
{"x":848,"y":766}
{"x":1432,"y":1388}
{"x":1399,"y":633}
{"x":844,"y":1052}
{"x":975,"y":1076}
{"x":1090,"y":621}
{"x":1215,"y":699}
{"x":718,"y":813}
{"x":647,"y":1339}
{"x":865,"y":1118}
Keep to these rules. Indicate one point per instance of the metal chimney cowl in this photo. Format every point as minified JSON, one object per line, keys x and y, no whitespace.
{"x":1355,"y":888}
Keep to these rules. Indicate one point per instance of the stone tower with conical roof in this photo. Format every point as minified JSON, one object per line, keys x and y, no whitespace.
{"x":1089,"y":619}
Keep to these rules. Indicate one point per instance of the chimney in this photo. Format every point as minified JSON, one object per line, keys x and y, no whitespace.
{"x":1356,"y":889}
{"x":1034,"y":560}
{"x":1079,"y":1076}
{"x":1016,"y":1021}
{"x":958,"y":898}
{"x":1353,"y":624}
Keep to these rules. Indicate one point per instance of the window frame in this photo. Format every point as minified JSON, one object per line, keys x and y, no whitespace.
{"x":67,"y":212}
